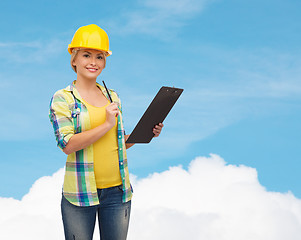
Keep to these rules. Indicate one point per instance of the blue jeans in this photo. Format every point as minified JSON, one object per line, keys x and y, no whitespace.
{"x":113,"y":217}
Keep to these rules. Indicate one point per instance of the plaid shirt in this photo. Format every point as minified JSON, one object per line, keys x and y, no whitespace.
{"x":69,"y":116}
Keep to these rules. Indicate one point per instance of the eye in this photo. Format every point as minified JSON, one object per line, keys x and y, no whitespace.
{"x":100,"y":57}
{"x":86,"y":55}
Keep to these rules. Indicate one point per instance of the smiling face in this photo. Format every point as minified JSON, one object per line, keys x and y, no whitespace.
{"x":88,"y":63}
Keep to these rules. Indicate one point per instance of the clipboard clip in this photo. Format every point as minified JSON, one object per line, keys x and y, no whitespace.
{"x":174,"y":91}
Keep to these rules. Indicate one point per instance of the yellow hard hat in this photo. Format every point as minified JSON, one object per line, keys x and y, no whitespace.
{"x":90,"y":36}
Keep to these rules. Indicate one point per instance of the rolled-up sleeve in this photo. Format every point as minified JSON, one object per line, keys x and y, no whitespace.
{"x":61,"y":119}
{"x":117,"y":99}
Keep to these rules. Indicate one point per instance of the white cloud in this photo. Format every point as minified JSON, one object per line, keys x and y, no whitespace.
{"x":157,"y":18}
{"x":37,"y":215}
{"x":176,"y":7}
{"x":32,"y":44}
{"x":31,"y":51}
{"x":213,"y":200}
{"x":210,"y":200}
{"x":247,"y":73}
{"x":236,"y":84}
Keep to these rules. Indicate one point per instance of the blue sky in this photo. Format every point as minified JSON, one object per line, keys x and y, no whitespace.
{"x":239,"y":63}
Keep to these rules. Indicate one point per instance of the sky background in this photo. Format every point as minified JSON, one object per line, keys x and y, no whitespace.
{"x":239,"y":63}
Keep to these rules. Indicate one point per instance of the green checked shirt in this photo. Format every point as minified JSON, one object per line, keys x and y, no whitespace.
{"x":69,"y":116}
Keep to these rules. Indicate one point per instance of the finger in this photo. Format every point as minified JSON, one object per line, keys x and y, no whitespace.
{"x":113,"y":112}
{"x":156,"y":132}
{"x":113,"y":106}
{"x":158,"y":128}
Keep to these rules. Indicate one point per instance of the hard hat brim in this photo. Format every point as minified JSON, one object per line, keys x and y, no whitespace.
{"x":70,"y":49}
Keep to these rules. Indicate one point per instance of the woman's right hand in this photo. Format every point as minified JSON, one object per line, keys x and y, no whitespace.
{"x":112,"y":112}
{"x":84,"y":139}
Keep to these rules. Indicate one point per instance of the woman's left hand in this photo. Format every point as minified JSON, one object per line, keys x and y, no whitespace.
{"x":157,"y":129}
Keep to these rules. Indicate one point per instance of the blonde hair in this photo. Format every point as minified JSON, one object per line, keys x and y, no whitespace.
{"x":74,"y":54}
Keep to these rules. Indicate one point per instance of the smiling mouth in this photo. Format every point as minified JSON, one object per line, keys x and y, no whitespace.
{"x":92,"y":69}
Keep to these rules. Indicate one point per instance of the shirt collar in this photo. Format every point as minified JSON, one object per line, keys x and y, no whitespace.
{"x":72,"y":88}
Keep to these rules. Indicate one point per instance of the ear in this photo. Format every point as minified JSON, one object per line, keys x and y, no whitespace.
{"x":73,"y":63}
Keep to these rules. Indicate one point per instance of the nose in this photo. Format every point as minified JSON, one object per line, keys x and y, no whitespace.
{"x":93,"y":61}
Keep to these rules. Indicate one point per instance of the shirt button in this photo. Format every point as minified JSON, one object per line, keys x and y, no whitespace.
{"x":119,"y":149}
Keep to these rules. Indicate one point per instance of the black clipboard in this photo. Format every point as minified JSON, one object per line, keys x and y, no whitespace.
{"x":154,"y":114}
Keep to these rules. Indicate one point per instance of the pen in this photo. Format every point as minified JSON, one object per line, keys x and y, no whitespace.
{"x":107,"y":91}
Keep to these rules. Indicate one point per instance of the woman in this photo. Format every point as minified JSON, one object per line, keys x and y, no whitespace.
{"x":89,"y":129}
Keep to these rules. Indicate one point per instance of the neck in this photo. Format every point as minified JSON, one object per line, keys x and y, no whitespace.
{"x":86,"y":85}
